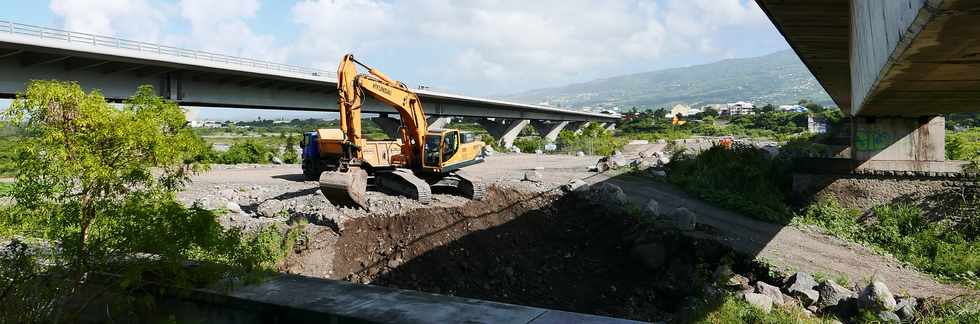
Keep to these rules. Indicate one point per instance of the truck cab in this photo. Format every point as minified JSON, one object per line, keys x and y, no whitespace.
{"x":450,"y":149}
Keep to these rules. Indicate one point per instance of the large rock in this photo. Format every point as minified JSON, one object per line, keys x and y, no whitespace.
{"x":533,"y":176}
{"x":610,"y":196}
{"x":271,"y":208}
{"x":651,"y":209}
{"x":759,"y":301}
{"x":276,"y":160}
{"x":577,"y":186}
{"x":905,"y":308}
{"x":579,"y":153}
{"x":652,"y":255}
{"x":877,"y":297}
{"x":771,"y":291}
{"x":801,"y":286}
{"x":683,"y":219}
{"x":831,"y":293}
{"x":889,"y":317}
{"x":233,"y":207}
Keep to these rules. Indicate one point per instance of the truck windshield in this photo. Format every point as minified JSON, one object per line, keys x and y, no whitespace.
{"x":432,"y":151}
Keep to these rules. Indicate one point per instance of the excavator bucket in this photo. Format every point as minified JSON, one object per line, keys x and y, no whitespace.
{"x":345,"y":188}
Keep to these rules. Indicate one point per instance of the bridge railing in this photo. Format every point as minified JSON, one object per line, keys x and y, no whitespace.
{"x":114,"y":42}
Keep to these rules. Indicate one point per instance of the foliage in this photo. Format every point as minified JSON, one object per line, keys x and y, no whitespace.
{"x":963,"y":145}
{"x":529,"y":144}
{"x":730,"y":309}
{"x":100,"y":181}
{"x":743,"y":178}
{"x":943,"y":247}
{"x":592,"y":140}
{"x":246,"y":152}
{"x":289,"y":154}
{"x":949,"y":312}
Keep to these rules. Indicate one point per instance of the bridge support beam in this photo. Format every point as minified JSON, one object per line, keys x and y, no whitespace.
{"x":437,"y":122}
{"x":577,"y":127}
{"x":549,"y":130}
{"x":899,"y":143}
{"x":388,"y":125}
{"x":504,"y":130}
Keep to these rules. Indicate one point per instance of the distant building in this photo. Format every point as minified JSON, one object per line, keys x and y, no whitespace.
{"x":793,"y":108}
{"x":205,"y":124}
{"x":816,"y":125}
{"x":680,"y":109}
{"x":740,"y":108}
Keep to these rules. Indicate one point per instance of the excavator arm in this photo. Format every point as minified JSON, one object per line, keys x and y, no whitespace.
{"x":350,"y":92}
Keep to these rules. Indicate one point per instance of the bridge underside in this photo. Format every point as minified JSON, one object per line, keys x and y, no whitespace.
{"x":895,"y":65}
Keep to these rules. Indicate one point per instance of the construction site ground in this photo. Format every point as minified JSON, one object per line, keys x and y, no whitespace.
{"x":397,"y":242}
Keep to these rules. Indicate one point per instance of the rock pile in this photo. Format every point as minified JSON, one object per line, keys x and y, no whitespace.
{"x":823,"y":298}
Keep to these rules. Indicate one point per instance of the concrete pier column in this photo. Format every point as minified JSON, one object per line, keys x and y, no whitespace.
{"x":437,"y":122}
{"x":577,"y":127}
{"x":504,"y":130}
{"x":388,"y":125}
{"x":901,"y":139}
{"x":549,"y":130}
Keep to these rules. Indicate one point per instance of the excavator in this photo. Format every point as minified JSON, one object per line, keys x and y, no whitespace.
{"x":421,"y":159}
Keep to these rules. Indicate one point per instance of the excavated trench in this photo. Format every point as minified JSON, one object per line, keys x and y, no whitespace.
{"x":551,"y":250}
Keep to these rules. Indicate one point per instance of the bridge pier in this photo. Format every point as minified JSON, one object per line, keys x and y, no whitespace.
{"x":437,"y":122}
{"x":549,"y":130}
{"x":504,"y":130}
{"x":577,"y":127}
{"x":388,"y":125}
{"x":900,"y":144}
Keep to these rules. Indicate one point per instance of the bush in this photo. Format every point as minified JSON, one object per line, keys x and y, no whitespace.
{"x":99,"y":182}
{"x":592,"y":140}
{"x":944,"y":247}
{"x":743,"y":178}
{"x":529,"y":144}
{"x":248,"y":151}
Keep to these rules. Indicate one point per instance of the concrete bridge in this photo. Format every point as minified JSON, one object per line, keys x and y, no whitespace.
{"x":895,"y":65}
{"x":194,"y":78}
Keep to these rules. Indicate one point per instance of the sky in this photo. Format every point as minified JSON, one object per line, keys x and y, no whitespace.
{"x":473,"y":47}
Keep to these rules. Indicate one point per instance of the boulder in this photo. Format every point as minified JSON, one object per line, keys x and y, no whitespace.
{"x":831,"y":293}
{"x":877,"y":297}
{"x":579,"y":153}
{"x":271,"y":208}
{"x":276,"y":160}
{"x":576,"y":186}
{"x":760,"y":301}
{"x":905,"y":308}
{"x":609,"y":195}
{"x":515,"y":149}
{"x":801,"y":286}
{"x":651,"y":209}
{"x":889,"y":317}
{"x":738,"y":282}
{"x":652,"y":255}
{"x":658,"y":173}
{"x":771,"y":291}
{"x":533,"y":176}
{"x":233,"y":207}
{"x":683,"y":219}
{"x":538,"y":151}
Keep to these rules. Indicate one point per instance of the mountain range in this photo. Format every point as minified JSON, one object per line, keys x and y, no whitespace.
{"x":777,"y":78}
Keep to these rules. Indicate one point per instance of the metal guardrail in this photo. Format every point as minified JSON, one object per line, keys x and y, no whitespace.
{"x":114,"y":42}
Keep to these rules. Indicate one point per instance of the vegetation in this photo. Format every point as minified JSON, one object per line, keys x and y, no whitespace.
{"x":99,"y":183}
{"x":730,"y":309}
{"x":963,"y":145}
{"x":948,"y":247}
{"x":745,"y":179}
{"x":592,"y":140}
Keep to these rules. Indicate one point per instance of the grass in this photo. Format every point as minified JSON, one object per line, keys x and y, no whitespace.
{"x":744,"y":179}
{"x":730,"y":309}
{"x":945,"y":248}
{"x":5,"y":188}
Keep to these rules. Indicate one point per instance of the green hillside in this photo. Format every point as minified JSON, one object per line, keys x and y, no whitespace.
{"x":777,"y":78}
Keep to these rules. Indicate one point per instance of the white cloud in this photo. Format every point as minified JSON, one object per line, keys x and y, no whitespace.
{"x":531,"y":41}
{"x":221,"y":26}
{"x":132,"y":19}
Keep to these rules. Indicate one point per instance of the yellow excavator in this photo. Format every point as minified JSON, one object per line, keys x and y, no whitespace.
{"x":413,"y":165}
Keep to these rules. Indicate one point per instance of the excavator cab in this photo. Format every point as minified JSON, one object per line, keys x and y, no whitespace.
{"x":449,"y":149}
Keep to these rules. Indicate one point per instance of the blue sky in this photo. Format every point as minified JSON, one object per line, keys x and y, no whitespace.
{"x":476,"y":47}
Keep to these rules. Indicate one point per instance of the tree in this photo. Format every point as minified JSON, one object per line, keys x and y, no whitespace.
{"x":768,"y":108}
{"x":289,"y":153}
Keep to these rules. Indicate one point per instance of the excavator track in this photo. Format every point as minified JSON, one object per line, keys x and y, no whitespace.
{"x":463,"y":185}
{"x":405,"y":183}
{"x":345,"y":189}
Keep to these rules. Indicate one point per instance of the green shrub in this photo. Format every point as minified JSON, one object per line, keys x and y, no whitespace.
{"x":248,"y":151}
{"x":529,"y":144}
{"x":730,"y":309}
{"x":743,"y":178}
{"x":941,"y":247}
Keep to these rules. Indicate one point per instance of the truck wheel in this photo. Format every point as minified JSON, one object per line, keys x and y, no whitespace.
{"x":311,"y":170}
